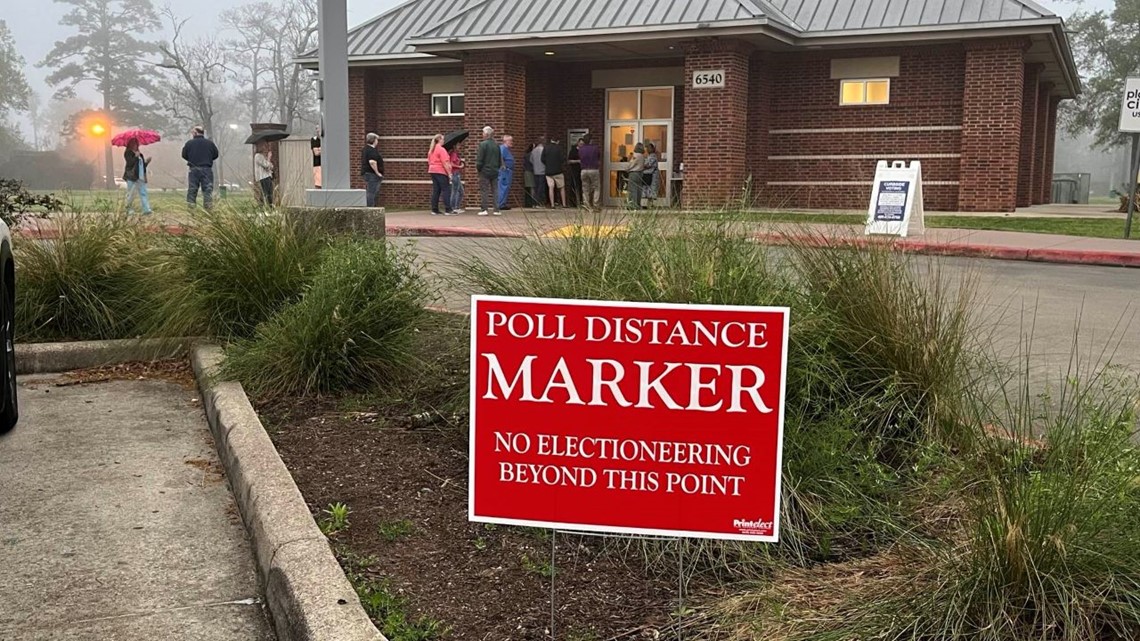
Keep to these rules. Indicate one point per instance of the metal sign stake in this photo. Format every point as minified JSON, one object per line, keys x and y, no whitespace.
{"x":1132,"y":184}
{"x":553,"y":534}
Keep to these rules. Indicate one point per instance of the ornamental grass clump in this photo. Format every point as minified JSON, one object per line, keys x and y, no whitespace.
{"x":232,"y":271}
{"x":1037,"y":541}
{"x":352,"y":329}
{"x":872,"y":363}
{"x":88,"y":283}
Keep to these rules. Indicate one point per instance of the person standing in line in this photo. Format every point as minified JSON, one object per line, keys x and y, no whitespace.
{"x":372,"y":168}
{"x":315,"y":145}
{"x":636,"y":171}
{"x":488,"y":162}
{"x":590,"y":155}
{"x":555,"y":160}
{"x":651,"y":176}
{"x":528,"y":178}
{"x":439,"y":168}
{"x":135,"y":176}
{"x":200,"y":154}
{"x":506,"y":174}
{"x":539,"y":172}
{"x":457,"y":191}
{"x":263,"y":172}
{"x":574,"y":173}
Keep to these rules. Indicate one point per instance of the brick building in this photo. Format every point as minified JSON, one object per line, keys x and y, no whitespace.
{"x":790,"y":102}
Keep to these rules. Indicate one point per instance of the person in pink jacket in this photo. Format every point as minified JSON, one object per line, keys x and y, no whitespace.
{"x":439,"y":167}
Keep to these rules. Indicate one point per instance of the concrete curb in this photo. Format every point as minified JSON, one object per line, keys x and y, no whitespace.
{"x":964,"y":250}
{"x":449,"y":232}
{"x":50,"y":358}
{"x":307,"y":592}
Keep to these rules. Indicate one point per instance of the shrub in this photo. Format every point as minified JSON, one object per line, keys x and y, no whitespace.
{"x":1041,"y":542}
{"x":353,"y":327}
{"x":17,"y":203}
{"x":87,"y":284}
{"x":232,"y":271}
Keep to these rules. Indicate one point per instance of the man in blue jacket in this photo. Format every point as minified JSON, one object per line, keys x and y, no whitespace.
{"x":200,"y":154}
{"x":506,"y":172}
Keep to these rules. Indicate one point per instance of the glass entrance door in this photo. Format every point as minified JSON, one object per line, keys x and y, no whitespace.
{"x":638,"y":116}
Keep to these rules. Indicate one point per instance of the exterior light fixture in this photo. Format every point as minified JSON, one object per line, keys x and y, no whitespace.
{"x":549,"y":53}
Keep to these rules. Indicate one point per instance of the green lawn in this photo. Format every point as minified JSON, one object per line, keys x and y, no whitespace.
{"x":162,"y":202}
{"x":1089,"y":227}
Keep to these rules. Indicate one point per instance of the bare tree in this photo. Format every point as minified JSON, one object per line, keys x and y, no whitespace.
{"x":249,"y":55}
{"x":196,"y":72}
{"x":270,"y":36}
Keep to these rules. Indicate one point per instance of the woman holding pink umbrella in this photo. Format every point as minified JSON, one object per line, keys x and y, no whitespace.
{"x":136,"y":165}
{"x":135,"y":175}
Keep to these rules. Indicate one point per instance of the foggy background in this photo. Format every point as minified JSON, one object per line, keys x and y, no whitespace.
{"x":35,"y":27}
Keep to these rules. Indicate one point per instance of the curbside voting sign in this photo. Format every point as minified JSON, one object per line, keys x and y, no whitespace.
{"x":627,"y":418}
{"x":1130,"y":107}
{"x":896,"y":207}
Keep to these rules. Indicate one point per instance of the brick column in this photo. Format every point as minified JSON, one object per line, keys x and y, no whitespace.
{"x":714,"y":177}
{"x":1050,"y":148}
{"x":357,"y":103}
{"x":495,"y":95}
{"x":1040,"y":142}
{"x":991,"y":125}
{"x":759,"y":122}
{"x":1026,"y":173}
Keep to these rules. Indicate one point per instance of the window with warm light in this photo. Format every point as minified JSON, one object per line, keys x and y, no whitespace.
{"x":623,"y":105}
{"x":447,"y":104}
{"x":865,"y":92}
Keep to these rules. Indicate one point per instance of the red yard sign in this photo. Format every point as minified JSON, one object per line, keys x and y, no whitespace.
{"x":627,"y":417}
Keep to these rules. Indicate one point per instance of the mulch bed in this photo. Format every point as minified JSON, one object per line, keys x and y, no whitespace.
{"x":483,"y":582}
{"x":177,"y":371}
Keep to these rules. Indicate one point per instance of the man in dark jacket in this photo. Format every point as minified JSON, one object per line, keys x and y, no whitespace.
{"x":200,"y":154}
{"x":488,"y":162}
{"x":555,"y":160}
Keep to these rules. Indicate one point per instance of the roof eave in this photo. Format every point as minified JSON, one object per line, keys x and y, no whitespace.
{"x":391,"y":59}
{"x":440,"y":44}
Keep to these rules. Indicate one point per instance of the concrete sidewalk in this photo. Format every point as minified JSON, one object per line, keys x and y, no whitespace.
{"x":1007,"y":245}
{"x":116,"y":522}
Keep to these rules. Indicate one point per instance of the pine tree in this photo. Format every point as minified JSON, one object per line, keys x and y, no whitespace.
{"x":106,"y":50}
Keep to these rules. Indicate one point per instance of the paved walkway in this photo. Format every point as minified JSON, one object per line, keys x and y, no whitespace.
{"x":1009,"y":245}
{"x":116,"y":522}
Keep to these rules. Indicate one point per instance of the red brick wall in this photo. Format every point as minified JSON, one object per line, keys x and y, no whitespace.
{"x":398,"y":109}
{"x":496,"y":92}
{"x":1040,"y":142}
{"x":356,"y":130}
{"x":927,"y":93}
{"x":712,"y":176}
{"x":759,"y":121}
{"x":1029,"y":107}
{"x":991,"y":125}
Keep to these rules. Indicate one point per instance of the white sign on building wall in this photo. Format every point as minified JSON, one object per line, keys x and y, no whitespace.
{"x":896,"y":200}
{"x":1130,"y":107}
{"x":708,"y":79}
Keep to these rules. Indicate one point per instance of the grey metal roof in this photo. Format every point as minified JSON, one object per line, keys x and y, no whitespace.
{"x":506,"y":17}
{"x":392,"y":34}
{"x":855,"y":15}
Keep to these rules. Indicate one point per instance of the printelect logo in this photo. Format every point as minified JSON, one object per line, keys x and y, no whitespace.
{"x":742,"y":524}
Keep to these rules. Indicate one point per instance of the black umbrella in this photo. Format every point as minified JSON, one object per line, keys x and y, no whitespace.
{"x":269,"y":135}
{"x":454,"y":138}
